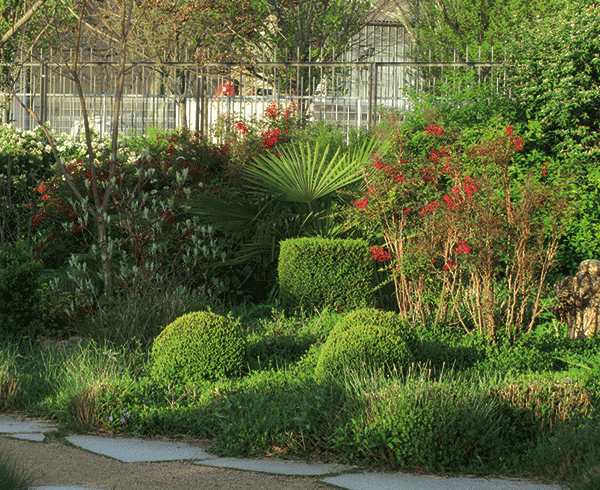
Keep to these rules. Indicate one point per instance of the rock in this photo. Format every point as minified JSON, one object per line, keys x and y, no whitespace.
{"x":579,"y":300}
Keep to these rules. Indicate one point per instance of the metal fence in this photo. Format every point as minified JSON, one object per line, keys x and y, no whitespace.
{"x":352,"y":91}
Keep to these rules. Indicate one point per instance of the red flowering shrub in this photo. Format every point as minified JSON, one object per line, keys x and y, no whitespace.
{"x":245,"y":139}
{"x":478,"y":237}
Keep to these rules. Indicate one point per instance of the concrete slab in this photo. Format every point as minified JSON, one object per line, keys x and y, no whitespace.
{"x":33,"y":436}
{"x":275,"y":466}
{"x":402,"y":481}
{"x":135,"y":450}
{"x":10,"y":425}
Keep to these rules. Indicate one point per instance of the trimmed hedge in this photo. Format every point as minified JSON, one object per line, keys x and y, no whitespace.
{"x":320,"y":272}
{"x":370,"y":338}
{"x":196,"y":346}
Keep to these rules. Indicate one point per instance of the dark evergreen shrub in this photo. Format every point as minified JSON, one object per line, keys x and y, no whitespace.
{"x":19,"y":295}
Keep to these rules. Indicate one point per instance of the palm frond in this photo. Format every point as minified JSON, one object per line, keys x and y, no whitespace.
{"x":224,"y":214}
{"x":301,"y":173}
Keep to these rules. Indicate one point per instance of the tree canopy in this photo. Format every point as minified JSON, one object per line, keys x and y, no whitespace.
{"x":438,"y":25}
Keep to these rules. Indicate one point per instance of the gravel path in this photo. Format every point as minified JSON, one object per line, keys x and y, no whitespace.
{"x":53,"y":462}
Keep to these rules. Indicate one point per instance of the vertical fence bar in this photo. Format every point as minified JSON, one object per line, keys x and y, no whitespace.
{"x":339,"y":90}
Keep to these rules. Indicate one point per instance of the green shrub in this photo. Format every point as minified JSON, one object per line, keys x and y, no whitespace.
{"x":378,"y":318}
{"x":320,"y":272}
{"x":548,"y":403}
{"x":556,"y":82}
{"x":568,"y":454}
{"x":363,"y":346}
{"x":415,"y":421}
{"x":58,"y":309}
{"x":281,"y":411}
{"x":199,"y":345}
{"x":557,"y":76}
{"x":19,"y":296}
{"x":367,"y":337}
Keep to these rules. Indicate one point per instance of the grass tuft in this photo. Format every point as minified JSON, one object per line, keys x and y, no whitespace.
{"x":12,"y":475}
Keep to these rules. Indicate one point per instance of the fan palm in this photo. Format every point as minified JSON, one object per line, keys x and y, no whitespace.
{"x":288,"y":194}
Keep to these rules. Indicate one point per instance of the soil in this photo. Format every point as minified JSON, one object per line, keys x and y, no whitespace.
{"x":55,"y":462}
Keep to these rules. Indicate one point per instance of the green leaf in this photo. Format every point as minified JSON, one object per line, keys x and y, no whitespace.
{"x":300,"y":173}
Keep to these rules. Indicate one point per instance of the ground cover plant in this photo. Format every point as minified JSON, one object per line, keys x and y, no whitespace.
{"x":467,"y":371}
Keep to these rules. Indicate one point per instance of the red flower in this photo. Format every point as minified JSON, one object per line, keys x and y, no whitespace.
{"x":517,"y":144}
{"x":379,"y":253}
{"x":242,"y":127}
{"x":272,"y":111}
{"x":441,"y":155}
{"x":269,"y":138}
{"x":463,"y":248}
{"x":509,"y":130}
{"x":362,"y":204}
{"x":449,"y":266}
{"x":434,"y":130}
{"x":378,"y":164}
{"x":429,"y":208}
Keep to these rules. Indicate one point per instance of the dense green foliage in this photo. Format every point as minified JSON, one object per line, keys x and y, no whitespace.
{"x":556,"y":85}
{"x":557,"y":78}
{"x":367,"y":338}
{"x":473,"y":25}
{"x":19,"y":295}
{"x":319,"y":272}
{"x":198,"y":346}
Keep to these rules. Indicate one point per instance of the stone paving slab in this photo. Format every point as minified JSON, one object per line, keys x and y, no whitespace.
{"x":32,"y":436}
{"x":10,"y":425}
{"x":136,"y":450}
{"x":403,"y":481}
{"x":275,"y":466}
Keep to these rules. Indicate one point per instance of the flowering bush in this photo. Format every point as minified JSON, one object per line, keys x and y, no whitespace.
{"x":245,"y":139}
{"x":25,"y":159}
{"x":150,"y":237}
{"x":463,"y":239}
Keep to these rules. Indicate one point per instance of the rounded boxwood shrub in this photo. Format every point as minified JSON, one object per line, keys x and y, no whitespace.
{"x":196,"y":346}
{"x":367,"y":337}
{"x":363,"y":346}
{"x":378,"y":318}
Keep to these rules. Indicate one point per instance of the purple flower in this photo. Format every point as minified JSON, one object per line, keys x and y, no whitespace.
{"x":110,"y":419}
{"x":268,"y":342}
{"x":127,"y":415}
{"x":122,"y":420}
